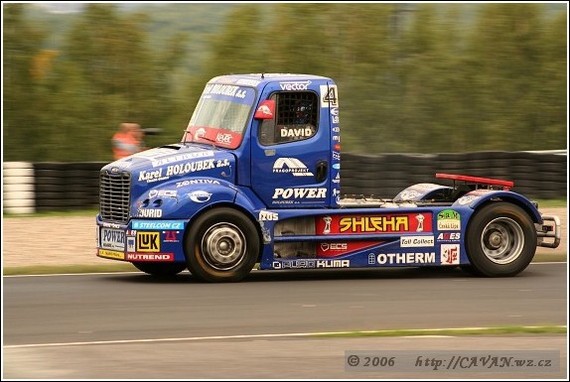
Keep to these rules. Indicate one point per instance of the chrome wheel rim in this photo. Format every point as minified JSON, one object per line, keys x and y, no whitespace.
{"x":502,"y":240}
{"x":223,"y":246}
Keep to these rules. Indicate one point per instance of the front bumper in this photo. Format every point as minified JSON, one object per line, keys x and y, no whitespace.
{"x":141,"y":240}
{"x":548,"y":233}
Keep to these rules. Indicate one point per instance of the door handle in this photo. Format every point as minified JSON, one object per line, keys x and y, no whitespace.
{"x":322,"y":170}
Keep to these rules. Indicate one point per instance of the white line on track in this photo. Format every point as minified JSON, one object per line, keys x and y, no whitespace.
{"x":140,"y":273}
{"x":245,"y":336}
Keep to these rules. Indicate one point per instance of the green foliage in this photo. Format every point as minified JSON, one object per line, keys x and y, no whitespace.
{"x":412,"y":77}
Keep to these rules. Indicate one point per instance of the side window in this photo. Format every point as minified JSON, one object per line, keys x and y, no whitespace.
{"x":296,"y":118}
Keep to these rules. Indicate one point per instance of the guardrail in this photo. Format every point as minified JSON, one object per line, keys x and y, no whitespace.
{"x":47,"y":186}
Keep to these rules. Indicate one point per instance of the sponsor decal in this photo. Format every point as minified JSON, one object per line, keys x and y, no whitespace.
{"x":335,"y":119}
{"x":109,"y":225}
{"x":267,"y":216}
{"x":170,"y":236}
{"x":181,"y":157}
{"x":222,"y":163}
{"x":200,"y":196}
{"x":336,"y":129}
{"x":335,"y":155}
{"x":336,"y":138}
{"x":449,"y":236}
{"x":186,"y":168}
{"x":420,"y":219}
{"x":329,"y":96}
{"x":151,"y":176}
{"x":158,"y":225}
{"x":336,"y":147}
{"x":448,"y":220}
{"x":162,"y":194}
{"x":224,"y":138}
{"x":361,"y":224}
{"x":131,"y":246}
{"x":326,"y":249}
{"x":150,"y":256}
{"x":409,"y":195}
{"x":193,"y":182}
{"x":148,"y":241}
{"x":113,"y":239}
{"x":111,"y":254}
{"x":291,"y":166}
{"x":225,"y":90}
{"x":466,"y":199}
{"x":406,"y":258}
{"x":336,"y":179}
{"x":149,"y":213}
{"x":295,"y":85}
{"x":201,"y":132}
{"x":293,"y":132}
{"x":449,"y":254}
{"x":266,"y":110}
{"x":300,"y":193}
{"x":336,"y":166}
{"x":310,"y":264}
{"x":334,"y":111}
{"x":247,"y":82}
{"x":417,"y":241}
{"x":327,"y":220}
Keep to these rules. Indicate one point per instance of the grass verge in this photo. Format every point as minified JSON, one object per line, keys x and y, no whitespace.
{"x":550,"y":257}
{"x":551,"y":203}
{"x":498,"y":330}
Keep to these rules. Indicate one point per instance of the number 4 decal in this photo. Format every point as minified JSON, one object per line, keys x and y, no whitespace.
{"x":329,"y":96}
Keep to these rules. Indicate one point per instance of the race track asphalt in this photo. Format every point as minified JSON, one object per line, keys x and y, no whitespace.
{"x":42,"y":311}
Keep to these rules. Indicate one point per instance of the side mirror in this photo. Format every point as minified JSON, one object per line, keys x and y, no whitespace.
{"x":266,"y":110}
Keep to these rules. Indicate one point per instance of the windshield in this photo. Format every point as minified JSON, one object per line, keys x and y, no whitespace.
{"x":221,"y":115}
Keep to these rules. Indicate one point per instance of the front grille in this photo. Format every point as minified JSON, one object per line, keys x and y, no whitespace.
{"x":114,"y":196}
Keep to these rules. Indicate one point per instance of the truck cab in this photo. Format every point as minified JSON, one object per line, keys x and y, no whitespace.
{"x":255,"y":179}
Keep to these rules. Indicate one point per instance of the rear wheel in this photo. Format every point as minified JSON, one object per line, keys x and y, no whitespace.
{"x":222,"y":245}
{"x":161,"y":269}
{"x":501,"y":240}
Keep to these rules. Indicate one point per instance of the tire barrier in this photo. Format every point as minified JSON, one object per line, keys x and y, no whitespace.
{"x":48,"y":186}
{"x":538,"y":175}
{"x":67,"y":186}
{"x":18,"y":193}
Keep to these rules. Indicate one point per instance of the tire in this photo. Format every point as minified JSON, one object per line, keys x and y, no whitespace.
{"x":501,"y":240}
{"x":162,"y":270}
{"x":222,"y":245}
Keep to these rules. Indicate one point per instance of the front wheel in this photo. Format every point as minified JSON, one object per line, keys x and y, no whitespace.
{"x":161,"y":269}
{"x":501,"y":240}
{"x":222,"y":245}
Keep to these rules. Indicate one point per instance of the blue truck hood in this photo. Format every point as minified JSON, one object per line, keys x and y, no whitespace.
{"x":174,"y":162}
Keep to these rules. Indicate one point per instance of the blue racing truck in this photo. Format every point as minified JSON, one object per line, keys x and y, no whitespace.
{"x":256,"y":180}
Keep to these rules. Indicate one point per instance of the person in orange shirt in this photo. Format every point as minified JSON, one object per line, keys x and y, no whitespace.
{"x":128,"y":140}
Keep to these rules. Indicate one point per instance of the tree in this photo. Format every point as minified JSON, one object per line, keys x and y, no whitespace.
{"x":21,"y":44}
